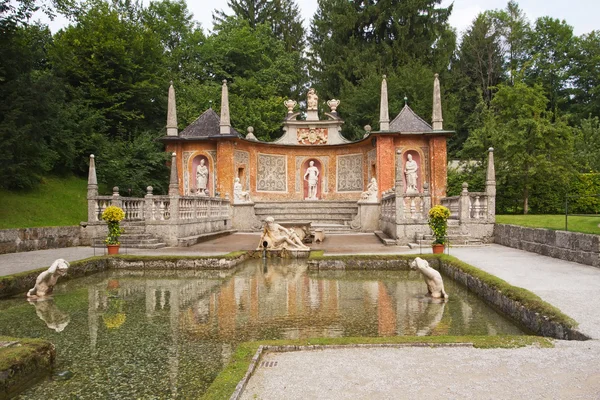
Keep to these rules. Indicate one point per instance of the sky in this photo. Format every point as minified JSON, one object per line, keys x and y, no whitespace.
{"x":581,"y":14}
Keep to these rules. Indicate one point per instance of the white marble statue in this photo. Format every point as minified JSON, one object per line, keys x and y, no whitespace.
{"x":433,"y":279}
{"x":312,"y":100}
{"x":371,"y":194}
{"x":239,"y":196}
{"x":45,"y":282}
{"x":410,"y":169}
{"x":276,"y":237}
{"x":312,"y":176}
{"x":54,"y":318}
{"x":201,"y":178}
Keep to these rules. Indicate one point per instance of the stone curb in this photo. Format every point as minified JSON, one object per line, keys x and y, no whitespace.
{"x":262,"y":349}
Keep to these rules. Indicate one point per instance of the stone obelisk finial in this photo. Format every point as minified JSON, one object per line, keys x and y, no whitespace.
{"x":173,"y":181}
{"x":436,"y":118}
{"x":171,"y":112}
{"x":490,"y":186}
{"x":92,"y":180}
{"x":225,"y":125}
{"x":384,"y":115}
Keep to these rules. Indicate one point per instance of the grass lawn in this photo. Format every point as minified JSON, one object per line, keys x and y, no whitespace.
{"x":557,"y":222}
{"x":56,"y":202}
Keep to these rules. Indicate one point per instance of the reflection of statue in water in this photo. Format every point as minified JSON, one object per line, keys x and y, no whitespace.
{"x":201,"y":177}
{"x":313,"y":178}
{"x":312,"y":99}
{"x":54,"y":318}
{"x":371,"y":193}
{"x":239,"y":196}
{"x":45,"y":282}
{"x":411,"y":175}
{"x":433,"y":279}
{"x":277,"y":237}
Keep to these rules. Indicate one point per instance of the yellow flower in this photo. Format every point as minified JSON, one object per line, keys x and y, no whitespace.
{"x":113,"y":214}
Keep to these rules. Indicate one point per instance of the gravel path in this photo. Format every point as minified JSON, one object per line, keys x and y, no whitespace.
{"x":568,"y":371}
{"x":573,"y":288}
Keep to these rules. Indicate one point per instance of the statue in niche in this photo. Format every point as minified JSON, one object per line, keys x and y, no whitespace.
{"x":312,"y":176}
{"x":239,"y":196}
{"x":371,"y":194}
{"x":276,"y":237}
{"x":410,"y":170}
{"x":433,"y":279}
{"x":201,"y":178}
{"x":45,"y":282}
{"x":312,"y":100}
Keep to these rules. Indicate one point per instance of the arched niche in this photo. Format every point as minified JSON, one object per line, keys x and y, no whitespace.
{"x":304,"y":168}
{"x":416,"y":156}
{"x":196,"y":162}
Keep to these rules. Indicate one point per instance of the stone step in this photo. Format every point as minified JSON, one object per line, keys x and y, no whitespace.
{"x":384,"y":238}
{"x":306,"y":204}
{"x":332,"y":228}
{"x":192,"y":240}
{"x":277,"y":211}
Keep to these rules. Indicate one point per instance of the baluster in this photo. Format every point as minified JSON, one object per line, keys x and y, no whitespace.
{"x":162,"y":210}
{"x":477,"y":208}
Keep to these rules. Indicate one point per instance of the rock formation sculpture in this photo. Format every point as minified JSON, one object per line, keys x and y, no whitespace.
{"x":45,"y":282}
{"x":433,"y":279}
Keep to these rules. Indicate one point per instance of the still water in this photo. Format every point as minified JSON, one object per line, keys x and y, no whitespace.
{"x":167,"y":334}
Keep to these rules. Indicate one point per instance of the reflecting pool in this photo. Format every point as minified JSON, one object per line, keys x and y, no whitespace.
{"x":167,"y":334}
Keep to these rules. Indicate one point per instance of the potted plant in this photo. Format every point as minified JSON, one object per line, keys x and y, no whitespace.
{"x":113,"y":215}
{"x":438,"y":222}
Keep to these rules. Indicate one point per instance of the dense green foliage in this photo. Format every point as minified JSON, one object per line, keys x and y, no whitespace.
{"x":528,"y":89}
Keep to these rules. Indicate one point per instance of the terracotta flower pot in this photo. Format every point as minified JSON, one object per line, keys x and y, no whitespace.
{"x":438,"y":248}
{"x":113,"y":248}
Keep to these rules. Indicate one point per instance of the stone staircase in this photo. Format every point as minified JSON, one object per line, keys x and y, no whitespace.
{"x":134,"y":236}
{"x":455,"y":236}
{"x":331,"y":216}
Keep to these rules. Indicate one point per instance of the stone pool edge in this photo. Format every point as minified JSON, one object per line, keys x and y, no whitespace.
{"x":235,"y":374}
{"x":11,"y":285}
{"x":23,"y":362}
{"x":518,"y":304}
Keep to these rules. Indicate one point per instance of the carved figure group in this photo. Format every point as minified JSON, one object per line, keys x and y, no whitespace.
{"x":312,"y":176}
{"x":371,"y":193}
{"x":201,"y":178}
{"x":433,"y":279}
{"x":410,"y":170}
{"x":239,"y":195}
{"x":45,"y":282}
{"x":276,"y":237}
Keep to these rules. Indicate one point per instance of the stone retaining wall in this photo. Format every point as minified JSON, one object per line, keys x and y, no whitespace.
{"x":28,"y":239}
{"x":20,"y":283}
{"x":539,"y":324}
{"x":570,"y":246}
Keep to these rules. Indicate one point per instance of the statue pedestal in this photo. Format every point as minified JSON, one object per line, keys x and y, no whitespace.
{"x":244,"y":219}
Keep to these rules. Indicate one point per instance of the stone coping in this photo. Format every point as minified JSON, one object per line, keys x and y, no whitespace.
{"x":24,"y":363}
{"x":520,"y":305}
{"x":263,"y":349}
{"x":11,"y":285}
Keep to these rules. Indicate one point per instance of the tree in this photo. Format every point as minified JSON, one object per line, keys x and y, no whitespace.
{"x":586,"y":76}
{"x":351,"y":40}
{"x":530,"y":145}
{"x":282,"y":16}
{"x":261,"y":73}
{"x":550,"y":46}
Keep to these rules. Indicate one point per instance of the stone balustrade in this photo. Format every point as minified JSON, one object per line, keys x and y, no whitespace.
{"x":478,"y":205}
{"x":388,"y":207}
{"x":453,"y":204}
{"x":416,"y":206}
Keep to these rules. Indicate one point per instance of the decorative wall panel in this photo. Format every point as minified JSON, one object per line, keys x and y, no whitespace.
{"x":272,"y":173}
{"x":350,"y":173}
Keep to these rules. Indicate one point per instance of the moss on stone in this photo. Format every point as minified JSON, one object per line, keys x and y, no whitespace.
{"x":225,"y":383}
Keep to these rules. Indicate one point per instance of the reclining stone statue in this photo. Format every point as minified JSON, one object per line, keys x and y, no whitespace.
{"x":45,"y":282}
{"x":433,"y":279}
{"x":276,"y":237}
